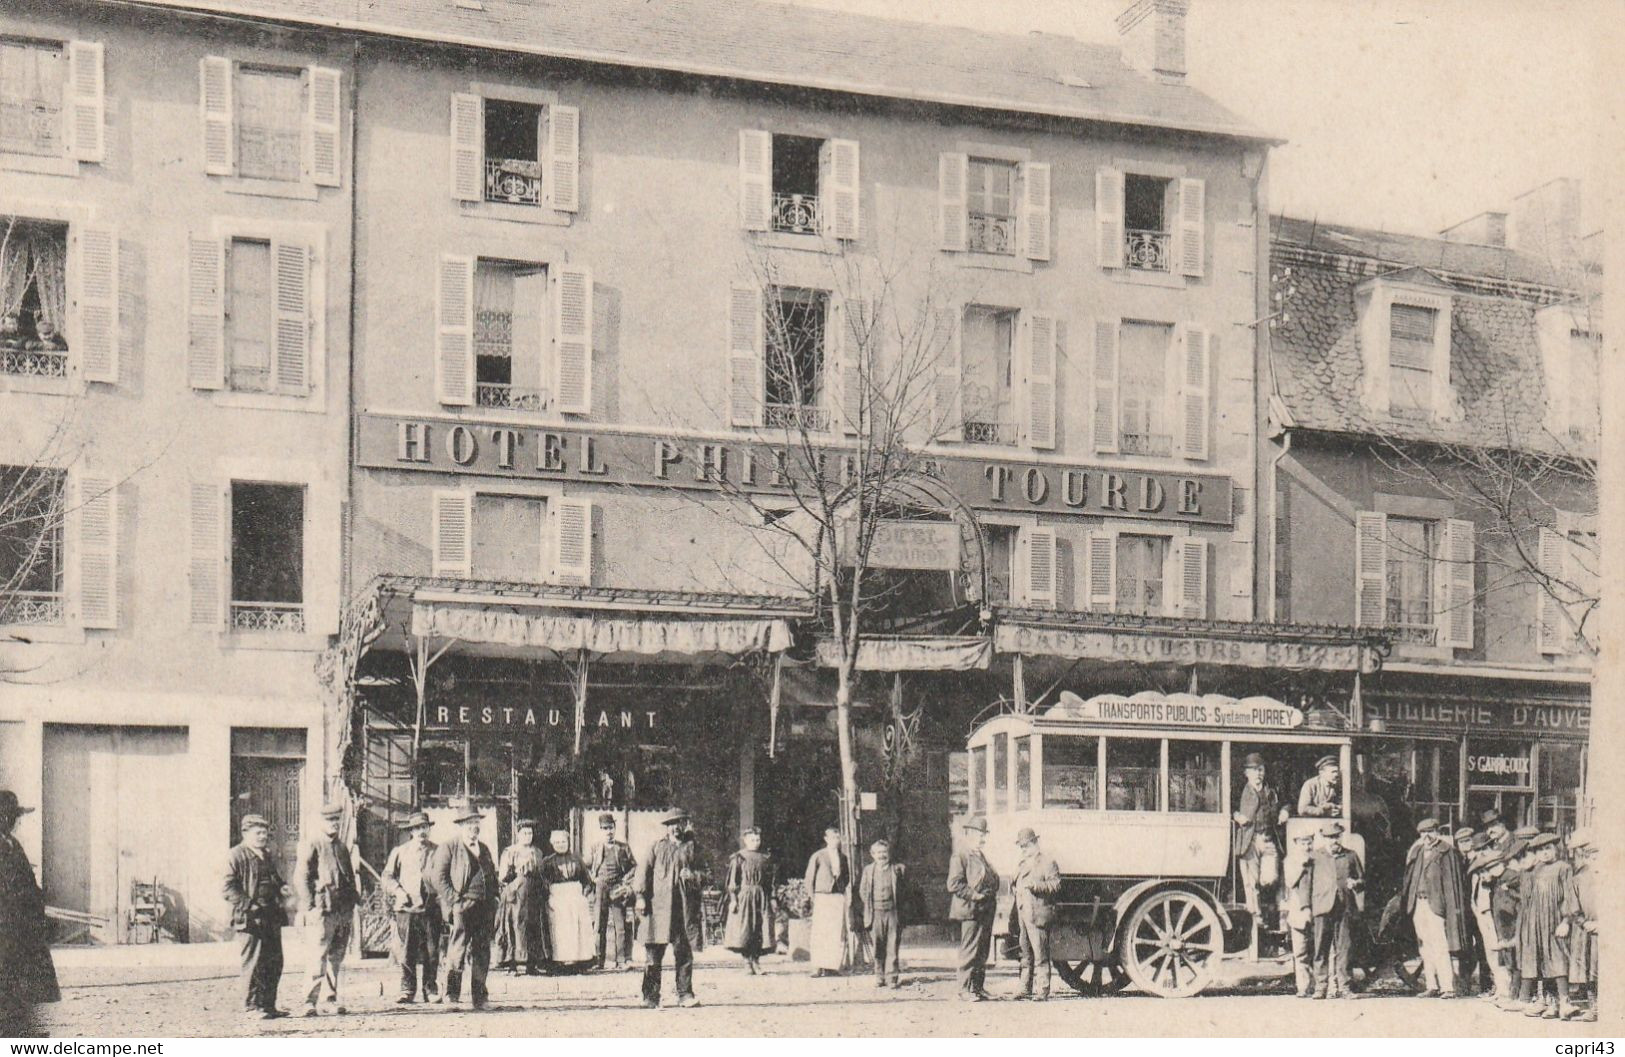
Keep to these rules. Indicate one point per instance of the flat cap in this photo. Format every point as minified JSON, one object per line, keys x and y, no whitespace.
{"x":1526,"y":832}
{"x":255,"y":822}
{"x":1543,"y":840}
{"x":1427,"y":825}
{"x":1464,"y":833}
{"x":1325,"y":761}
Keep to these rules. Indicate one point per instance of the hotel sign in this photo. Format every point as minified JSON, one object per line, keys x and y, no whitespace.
{"x":651,"y":460}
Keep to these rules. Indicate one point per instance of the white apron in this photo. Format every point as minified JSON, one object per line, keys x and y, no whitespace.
{"x":828,"y":932}
{"x":569,"y":923}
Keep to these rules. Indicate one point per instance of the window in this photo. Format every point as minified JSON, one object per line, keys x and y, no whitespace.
{"x":1143,"y":389}
{"x":515,"y":151}
{"x":267,"y":557}
{"x":33,"y":298}
{"x":509,"y":332}
{"x":1024,"y":772}
{"x":1145,"y":220}
{"x":513,"y":159}
{"x":253,"y":306}
{"x":1410,"y":358}
{"x":1001,"y":557}
{"x":1411,"y":553}
{"x":1561,"y":794}
{"x":1133,"y":774}
{"x":978,"y":780}
{"x":1140,"y":564}
{"x":1001,"y":773}
{"x":248,"y":315}
{"x":1071,"y":773}
{"x":33,"y":502}
{"x":796,"y":170}
{"x":270,"y":122}
{"x":987,"y":341}
{"x":1193,"y":776}
{"x":508,"y":539}
{"x":33,"y":76}
{"x":796,"y":324}
{"x":990,"y":199}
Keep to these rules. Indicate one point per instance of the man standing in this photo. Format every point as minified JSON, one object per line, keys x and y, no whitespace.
{"x":827,"y":878}
{"x":1486,"y":867}
{"x":1432,"y":895}
{"x":465,"y":881}
{"x":1037,"y":883}
{"x":27,"y":975}
{"x":253,"y":886}
{"x":975,"y":888}
{"x":669,"y":906}
{"x":1583,"y":938}
{"x":1335,"y":883}
{"x":610,"y":866}
{"x":1495,"y":828}
{"x":880,"y":895}
{"x":407,"y":882}
{"x":1257,"y":847}
{"x":1322,"y":795}
{"x":1300,"y":914}
{"x":325,"y":876}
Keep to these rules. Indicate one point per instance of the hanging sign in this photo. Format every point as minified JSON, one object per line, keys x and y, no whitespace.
{"x":1153,"y":709}
{"x":909,"y":545}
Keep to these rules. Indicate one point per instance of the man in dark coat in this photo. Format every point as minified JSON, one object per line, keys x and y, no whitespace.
{"x":254,"y":887}
{"x":610,"y":866}
{"x":669,"y":909}
{"x":880,"y":896}
{"x":975,"y":889}
{"x":1432,"y":894}
{"x":1322,"y":795}
{"x":1258,"y":817}
{"x":326,"y":882}
{"x":406,"y":880}
{"x":1037,"y":883}
{"x":27,"y":976}
{"x":465,"y":881}
{"x":1335,"y":884}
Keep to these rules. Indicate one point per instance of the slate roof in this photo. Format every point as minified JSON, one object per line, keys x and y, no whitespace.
{"x":757,"y":40}
{"x":1465,"y":258}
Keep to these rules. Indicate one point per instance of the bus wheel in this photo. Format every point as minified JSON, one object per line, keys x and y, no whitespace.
{"x":1093,"y":977}
{"x":1171,"y":944}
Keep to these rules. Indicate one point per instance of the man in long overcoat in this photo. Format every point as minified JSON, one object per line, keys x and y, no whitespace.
{"x":407,"y":882}
{"x":669,"y":910}
{"x":1335,"y":883}
{"x":1432,"y":895}
{"x":975,"y":889}
{"x":1037,"y":883}
{"x":465,"y":880}
{"x":1258,"y":817}
{"x":254,"y":886}
{"x":325,"y":878}
{"x":27,"y":975}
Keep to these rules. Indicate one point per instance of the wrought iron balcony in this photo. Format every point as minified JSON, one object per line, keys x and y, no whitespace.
{"x":34,"y":363}
{"x":288,"y":617}
{"x":990,"y":432}
{"x":796,"y":416}
{"x":1146,"y":250}
{"x":511,"y":397}
{"x":517,"y":181}
{"x":991,"y":233}
{"x":798,"y":214}
{"x":1146,"y":444}
{"x":32,"y":608}
{"x":1412,"y":634}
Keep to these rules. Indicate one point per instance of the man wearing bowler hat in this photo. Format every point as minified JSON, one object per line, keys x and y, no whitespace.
{"x":669,"y":906}
{"x":1322,"y":795}
{"x":27,"y":976}
{"x":325,"y":877}
{"x":253,"y":886}
{"x":1335,"y":885}
{"x":465,"y":882}
{"x":975,"y":889}
{"x":611,"y":867}
{"x":1037,"y":883}
{"x":1495,"y":828}
{"x":1257,"y":845}
{"x":407,"y":882}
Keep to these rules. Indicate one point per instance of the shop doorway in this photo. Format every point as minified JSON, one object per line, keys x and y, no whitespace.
{"x":267,"y":776}
{"x":1514,"y":807}
{"x":797,"y":798}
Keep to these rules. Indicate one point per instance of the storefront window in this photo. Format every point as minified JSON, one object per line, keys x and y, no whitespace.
{"x":1436,"y":780}
{"x":1562,"y":782}
{"x":1193,"y":776}
{"x":1133,"y":773}
{"x":1024,"y":773}
{"x":440,"y":771}
{"x":1071,"y":773}
{"x":978,"y":780}
{"x":1001,"y":772}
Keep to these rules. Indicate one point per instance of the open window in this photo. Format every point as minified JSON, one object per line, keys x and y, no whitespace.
{"x":1150,"y":223}
{"x":1145,"y":418}
{"x":1416,"y":576}
{"x":267,"y":557}
{"x":1146,"y":209}
{"x":1133,"y":774}
{"x":798,"y":185}
{"x":33,"y":298}
{"x":797,"y":326}
{"x":515,"y":151}
{"x":31,"y":545}
{"x":511,"y":368}
{"x":987,"y":400}
{"x":1071,"y":773}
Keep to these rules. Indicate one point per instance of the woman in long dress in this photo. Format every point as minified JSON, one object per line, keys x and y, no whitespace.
{"x":827,"y":878}
{"x":521,"y":935}
{"x":569,"y":922}
{"x":751,"y":876}
{"x":1551,"y":910}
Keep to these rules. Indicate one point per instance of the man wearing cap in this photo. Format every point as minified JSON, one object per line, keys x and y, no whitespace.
{"x":1470,"y":957}
{"x":253,"y":887}
{"x":1257,"y":845}
{"x":1300,"y":915}
{"x":417,"y":911}
{"x":1432,"y":895}
{"x":1322,"y":795}
{"x":1483,"y":869}
{"x":27,"y":975}
{"x":611,"y":865}
{"x":1335,"y":884}
{"x":465,"y":880}
{"x":975,"y":889}
{"x":325,"y":878}
{"x":1506,"y":903}
{"x":1037,"y":883}
{"x":669,"y":907}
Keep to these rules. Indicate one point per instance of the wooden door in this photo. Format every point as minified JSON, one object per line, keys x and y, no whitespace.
{"x":269,"y":786}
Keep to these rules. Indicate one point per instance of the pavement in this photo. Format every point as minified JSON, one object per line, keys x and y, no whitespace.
{"x":192,"y":991}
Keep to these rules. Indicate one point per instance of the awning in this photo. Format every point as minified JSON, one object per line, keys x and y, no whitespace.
{"x":600,"y":634}
{"x":947,"y":653}
{"x":1181,"y":647}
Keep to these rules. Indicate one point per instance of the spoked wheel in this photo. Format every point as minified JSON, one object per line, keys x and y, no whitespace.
{"x":1093,"y":977}
{"x":1171,"y":944}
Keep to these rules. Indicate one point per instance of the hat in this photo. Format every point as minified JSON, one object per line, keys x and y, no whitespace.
{"x":606,"y":821}
{"x":1480,"y":841}
{"x":1026,"y":836}
{"x":463,"y":810}
{"x":1580,"y":838}
{"x":9,"y":806}
{"x":1515,"y":849}
{"x":1485,"y":859}
{"x":1490,"y":817}
{"x":977,"y":824}
{"x":1326,"y":761}
{"x":250,"y":822}
{"x":331,"y":810}
{"x":416,"y":820}
{"x":1332,"y":829}
{"x":1427,"y":825}
{"x":1526,"y":833}
{"x":1464,"y":832}
{"x":1252,"y":760}
{"x":1544,"y":840}
{"x":674,"y":816}
{"x":1305,"y":834}
{"x":525,"y":823}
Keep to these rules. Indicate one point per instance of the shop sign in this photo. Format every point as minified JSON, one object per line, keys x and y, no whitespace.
{"x":1174,"y":649}
{"x":1573,"y":720}
{"x":910,"y":545}
{"x":1489,"y":766}
{"x":1181,"y":710}
{"x":523,"y":718}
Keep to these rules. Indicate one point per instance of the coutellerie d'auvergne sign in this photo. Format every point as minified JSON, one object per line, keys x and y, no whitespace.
{"x":647,"y":459}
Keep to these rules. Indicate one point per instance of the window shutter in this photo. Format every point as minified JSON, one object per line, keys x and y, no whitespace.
{"x":1552,"y":630}
{"x":290,"y":315}
{"x":467,"y":147}
{"x":206,"y":552}
{"x":86,"y":101}
{"x":454,"y":331}
{"x":1038,"y":347}
{"x":322,"y":132}
{"x":1370,"y":569}
{"x":842,"y":206}
{"x":1192,"y":227}
{"x":219,"y":117}
{"x":1102,"y":547}
{"x":755,"y":179}
{"x":572,"y":341}
{"x":1038,"y":552}
{"x":572,"y":540}
{"x":564,"y":158}
{"x":205,"y":313}
{"x":453,"y":546}
{"x":1456,"y":626}
{"x":953,"y":173}
{"x":950,"y":416}
{"x":747,"y":381}
{"x":1109,"y":217}
{"x":855,"y":329}
{"x":97,"y":504}
{"x":1190,"y":565}
{"x":1196,"y":367}
{"x":1035,"y":209}
{"x":1105,"y":385}
{"x":93,"y":274}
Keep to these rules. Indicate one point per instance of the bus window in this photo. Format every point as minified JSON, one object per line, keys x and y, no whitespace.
{"x":978,"y":780}
{"x":1133,"y":773}
{"x":1193,"y":775}
{"x":1001,"y":773}
{"x":1071,"y":772}
{"x":1024,"y":772}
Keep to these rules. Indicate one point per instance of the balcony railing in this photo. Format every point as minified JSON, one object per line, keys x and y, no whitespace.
{"x":33,"y":608}
{"x":30,"y":127}
{"x":991,"y":233}
{"x":517,"y":181}
{"x":796,"y":416}
{"x":510,"y":397}
{"x":1147,"y":444}
{"x":990,"y":432}
{"x":797,"y":214}
{"x":268,"y":616}
{"x":1146,"y":250}
{"x":34,"y":363}
{"x":1412,"y":634}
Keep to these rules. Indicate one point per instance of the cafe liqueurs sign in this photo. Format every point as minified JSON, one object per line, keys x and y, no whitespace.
{"x":650,"y":460}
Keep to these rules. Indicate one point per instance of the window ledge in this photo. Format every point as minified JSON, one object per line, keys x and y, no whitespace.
{"x":545,"y":215}
{"x":314,"y":404}
{"x":787,"y":240}
{"x":301,"y":190}
{"x":44,"y":164}
{"x":273,"y":641}
{"x":993,"y":261}
{"x":1145,"y":277}
{"x":42,"y":634}
{"x":40,"y":386}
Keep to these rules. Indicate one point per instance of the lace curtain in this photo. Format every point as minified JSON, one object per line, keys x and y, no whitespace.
{"x":14,"y":262}
{"x":50,"y":268}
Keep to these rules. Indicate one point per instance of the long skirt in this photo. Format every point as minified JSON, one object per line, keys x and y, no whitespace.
{"x":570,"y":923}
{"x":521,"y":935}
{"x":828,"y":930}
{"x":750,"y":922}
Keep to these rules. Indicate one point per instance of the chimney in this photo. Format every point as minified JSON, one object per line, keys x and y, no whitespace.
{"x":1486,"y":229}
{"x":1153,"y":38}
{"x":1546,"y":220}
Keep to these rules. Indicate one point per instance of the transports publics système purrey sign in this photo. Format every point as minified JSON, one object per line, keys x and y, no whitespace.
{"x":648,"y":459}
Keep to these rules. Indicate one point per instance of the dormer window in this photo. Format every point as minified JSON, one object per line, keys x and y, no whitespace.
{"x":1411,"y":330}
{"x":1405,"y":346}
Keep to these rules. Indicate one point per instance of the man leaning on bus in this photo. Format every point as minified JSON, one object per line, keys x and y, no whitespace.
{"x":1322,"y":795}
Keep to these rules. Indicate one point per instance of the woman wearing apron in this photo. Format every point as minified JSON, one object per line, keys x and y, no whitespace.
{"x":569,"y":920}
